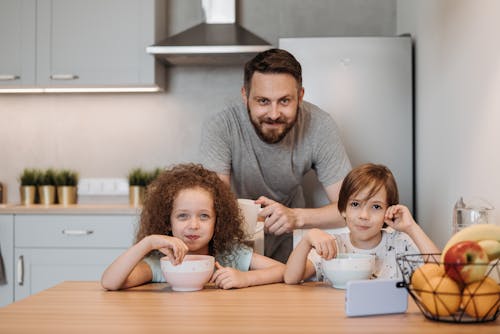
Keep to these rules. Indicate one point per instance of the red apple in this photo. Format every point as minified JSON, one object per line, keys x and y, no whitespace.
{"x":466,"y":262}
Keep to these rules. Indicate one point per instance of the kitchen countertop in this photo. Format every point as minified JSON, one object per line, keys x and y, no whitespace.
{"x":84,"y":307}
{"x":69,"y":209}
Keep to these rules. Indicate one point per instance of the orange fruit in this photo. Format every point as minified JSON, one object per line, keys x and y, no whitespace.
{"x":481,"y":298}
{"x":424,"y":273}
{"x":441,"y":296}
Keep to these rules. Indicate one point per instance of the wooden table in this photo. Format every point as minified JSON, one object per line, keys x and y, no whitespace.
{"x":84,"y":307}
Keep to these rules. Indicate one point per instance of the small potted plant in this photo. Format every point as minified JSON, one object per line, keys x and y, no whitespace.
{"x":66,"y":182}
{"x":154,"y":174}
{"x":47,"y":187}
{"x":29,"y":179}
{"x":137,"y":182}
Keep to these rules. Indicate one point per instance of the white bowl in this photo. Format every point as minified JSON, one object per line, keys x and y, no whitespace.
{"x":190,"y":275}
{"x":347,"y":267}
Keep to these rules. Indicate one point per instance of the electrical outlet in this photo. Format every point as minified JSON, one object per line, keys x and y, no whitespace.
{"x":103,"y":186}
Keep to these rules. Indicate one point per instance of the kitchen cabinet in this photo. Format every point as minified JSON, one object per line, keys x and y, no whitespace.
{"x":81,"y":44}
{"x":53,"y":248}
{"x":7,"y":254}
{"x":39,"y":269}
{"x":17,"y":38}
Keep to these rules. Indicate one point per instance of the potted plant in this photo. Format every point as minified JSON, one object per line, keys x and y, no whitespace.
{"x":28,"y":179}
{"x":47,"y":187}
{"x":154,"y":174}
{"x":66,"y":182}
{"x":138,"y":180}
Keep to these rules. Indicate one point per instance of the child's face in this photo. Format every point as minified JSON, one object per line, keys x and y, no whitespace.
{"x":365,"y":218}
{"x":193,"y":219}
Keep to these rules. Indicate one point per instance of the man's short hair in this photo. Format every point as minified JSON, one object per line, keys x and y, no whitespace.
{"x":273,"y":61}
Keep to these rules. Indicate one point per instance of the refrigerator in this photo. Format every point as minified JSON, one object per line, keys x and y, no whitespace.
{"x":366,"y":84}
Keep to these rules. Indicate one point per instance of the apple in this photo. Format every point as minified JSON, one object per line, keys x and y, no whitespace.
{"x":466,"y":262}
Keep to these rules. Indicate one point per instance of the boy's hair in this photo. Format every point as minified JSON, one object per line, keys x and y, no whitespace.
{"x":371,"y":176}
{"x":272,"y":61}
{"x":160,"y":196}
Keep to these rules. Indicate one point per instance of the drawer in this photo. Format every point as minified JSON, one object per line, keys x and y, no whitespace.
{"x":75,"y":231}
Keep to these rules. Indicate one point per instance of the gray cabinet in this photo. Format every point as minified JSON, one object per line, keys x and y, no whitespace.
{"x":7,"y":253}
{"x":80,"y":44}
{"x":17,"y":41}
{"x":50,"y":249}
{"x":39,"y":269}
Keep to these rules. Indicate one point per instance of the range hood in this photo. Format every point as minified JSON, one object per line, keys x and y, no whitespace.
{"x":217,"y":41}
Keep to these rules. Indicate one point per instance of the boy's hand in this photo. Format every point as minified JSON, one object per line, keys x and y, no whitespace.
{"x":399,"y":218}
{"x":323,"y":242}
{"x":227,"y":278}
{"x":174,"y":248}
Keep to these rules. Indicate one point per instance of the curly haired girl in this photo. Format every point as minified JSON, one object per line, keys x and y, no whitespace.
{"x":189,"y":210}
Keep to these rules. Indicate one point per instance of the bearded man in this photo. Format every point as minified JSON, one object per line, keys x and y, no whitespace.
{"x":264,"y":146}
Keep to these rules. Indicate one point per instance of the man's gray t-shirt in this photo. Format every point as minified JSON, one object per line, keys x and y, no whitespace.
{"x":230,"y":146}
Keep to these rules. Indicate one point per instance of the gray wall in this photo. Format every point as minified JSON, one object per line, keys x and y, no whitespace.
{"x":105,"y":135}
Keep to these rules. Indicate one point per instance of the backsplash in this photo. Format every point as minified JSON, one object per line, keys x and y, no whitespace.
{"x":105,"y":135}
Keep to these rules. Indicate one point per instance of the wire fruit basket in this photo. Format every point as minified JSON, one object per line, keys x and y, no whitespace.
{"x":441,"y":298}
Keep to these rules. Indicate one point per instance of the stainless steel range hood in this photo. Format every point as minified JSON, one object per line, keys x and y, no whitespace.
{"x":217,"y":41}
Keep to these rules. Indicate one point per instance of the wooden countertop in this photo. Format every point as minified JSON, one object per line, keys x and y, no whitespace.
{"x":69,"y":209}
{"x":84,"y":307}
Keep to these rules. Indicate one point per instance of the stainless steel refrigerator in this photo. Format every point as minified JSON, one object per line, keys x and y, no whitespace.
{"x":365,"y":83}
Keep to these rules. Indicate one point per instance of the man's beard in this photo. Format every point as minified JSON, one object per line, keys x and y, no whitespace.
{"x":272,"y":137}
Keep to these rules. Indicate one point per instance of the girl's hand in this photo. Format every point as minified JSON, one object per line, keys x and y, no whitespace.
{"x":174,"y":248}
{"x":399,"y":218}
{"x":227,"y":278}
{"x":323,"y":242}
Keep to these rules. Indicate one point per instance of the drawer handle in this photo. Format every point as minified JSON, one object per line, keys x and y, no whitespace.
{"x":20,"y":270}
{"x":77,"y":232}
{"x":64,"y":77}
{"x":7,"y":77}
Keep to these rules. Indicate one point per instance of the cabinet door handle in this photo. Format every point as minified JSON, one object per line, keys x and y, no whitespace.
{"x":20,"y":270}
{"x":64,"y":77}
{"x":77,"y":232}
{"x":8,"y":77}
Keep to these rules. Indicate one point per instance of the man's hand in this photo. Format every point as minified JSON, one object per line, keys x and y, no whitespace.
{"x":278,"y":218}
{"x":227,"y":278}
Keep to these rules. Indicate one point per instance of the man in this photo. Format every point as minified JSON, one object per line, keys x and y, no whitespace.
{"x":265,"y":146}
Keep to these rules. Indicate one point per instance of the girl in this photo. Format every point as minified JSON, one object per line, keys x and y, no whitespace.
{"x":368,"y":201}
{"x":189,"y":210}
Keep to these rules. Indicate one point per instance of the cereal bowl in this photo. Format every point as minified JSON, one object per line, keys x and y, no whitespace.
{"x":190,"y":275}
{"x":347,"y":267}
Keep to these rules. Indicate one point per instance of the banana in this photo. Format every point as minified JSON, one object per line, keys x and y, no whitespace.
{"x":491,"y":247}
{"x":474,"y":232}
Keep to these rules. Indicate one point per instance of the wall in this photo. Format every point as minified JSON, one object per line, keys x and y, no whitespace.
{"x":457,"y":105}
{"x":105,"y":135}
